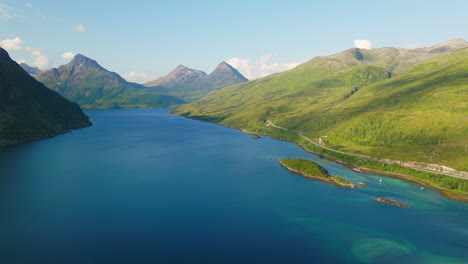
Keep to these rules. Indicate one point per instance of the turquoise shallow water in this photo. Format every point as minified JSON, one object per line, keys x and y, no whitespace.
{"x":143,"y":186}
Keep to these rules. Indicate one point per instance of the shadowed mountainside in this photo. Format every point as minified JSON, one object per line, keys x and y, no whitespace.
{"x":29,"y":110}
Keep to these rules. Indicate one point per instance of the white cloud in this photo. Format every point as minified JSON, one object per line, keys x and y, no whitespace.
{"x":67,"y":55}
{"x":362,"y":44}
{"x":260,"y":68}
{"x":21,"y":61}
{"x":42,"y":61}
{"x":8,"y":13}
{"x":28,"y":5}
{"x":80,"y":28}
{"x":138,"y":77}
{"x":12,"y":44}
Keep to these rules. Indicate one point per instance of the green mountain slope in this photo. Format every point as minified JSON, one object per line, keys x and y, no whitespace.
{"x":191,"y":85}
{"x":84,"y":81}
{"x":349,"y":101}
{"x":29,"y":110}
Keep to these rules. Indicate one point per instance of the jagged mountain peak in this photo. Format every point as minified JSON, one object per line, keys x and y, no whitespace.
{"x":84,"y":81}
{"x":180,"y":75}
{"x":181,"y":67}
{"x":81,"y":71}
{"x":225,"y":68}
{"x":224,"y":64}
{"x":190,"y":84}
{"x":82,"y":60}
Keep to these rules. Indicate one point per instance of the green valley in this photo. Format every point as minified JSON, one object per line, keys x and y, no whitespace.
{"x":407,"y":105}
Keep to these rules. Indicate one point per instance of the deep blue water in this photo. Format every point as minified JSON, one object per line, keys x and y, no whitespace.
{"x":143,"y":186}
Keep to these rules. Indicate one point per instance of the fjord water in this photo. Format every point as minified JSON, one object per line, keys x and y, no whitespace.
{"x":143,"y":186}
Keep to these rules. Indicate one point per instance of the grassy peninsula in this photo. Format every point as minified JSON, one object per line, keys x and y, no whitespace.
{"x":314,"y":171}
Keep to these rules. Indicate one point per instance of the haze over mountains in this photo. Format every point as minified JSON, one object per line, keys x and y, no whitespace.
{"x":387,"y":102}
{"x":29,"y":110}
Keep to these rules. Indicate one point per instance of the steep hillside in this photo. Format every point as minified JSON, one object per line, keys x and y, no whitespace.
{"x":351,"y":104}
{"x":29,"y":110}
{"x":84,"y":81}
{"x":191,"y":84}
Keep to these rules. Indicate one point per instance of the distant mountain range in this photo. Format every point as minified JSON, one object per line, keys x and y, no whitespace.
{"x":402,"y":104}
{"x":190,"y":84}
{"x":29,"y":110}
{"x":86,"y":82}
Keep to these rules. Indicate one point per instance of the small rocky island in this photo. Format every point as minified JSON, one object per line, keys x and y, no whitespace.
{"x":255,"y":136}
{"x":313,"y":171}
{"x":361,"y":184}
{"x":390,"y":201}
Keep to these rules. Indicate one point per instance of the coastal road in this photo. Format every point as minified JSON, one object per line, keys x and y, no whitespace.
{"x":269,"y":123}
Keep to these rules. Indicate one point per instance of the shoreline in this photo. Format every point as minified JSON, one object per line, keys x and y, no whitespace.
{"x":447,"y":193}
{"x":63,"y":132}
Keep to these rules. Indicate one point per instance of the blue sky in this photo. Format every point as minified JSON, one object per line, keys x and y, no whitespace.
{"x":150,"y":38}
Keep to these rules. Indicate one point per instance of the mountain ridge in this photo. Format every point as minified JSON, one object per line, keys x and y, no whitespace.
{"x":31,"y":111}
{"x":180,"y":75}
{"x":86,"y":82}
{"x":191,"y":89}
